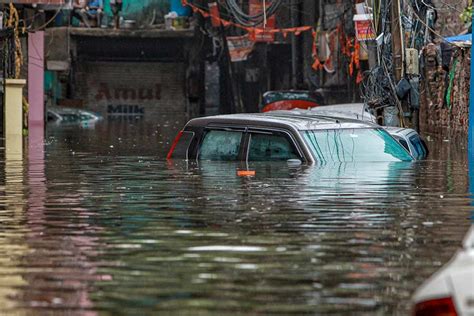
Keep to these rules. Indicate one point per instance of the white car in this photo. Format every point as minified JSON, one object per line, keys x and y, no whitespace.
{"x":63,"y":116}
{"x":450,"y":291}
{"x":409,"y":138}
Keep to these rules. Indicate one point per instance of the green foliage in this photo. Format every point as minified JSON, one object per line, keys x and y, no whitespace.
{"x":466,"y":15}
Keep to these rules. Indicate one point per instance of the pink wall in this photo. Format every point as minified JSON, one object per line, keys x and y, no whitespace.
{"x":36,"y":78}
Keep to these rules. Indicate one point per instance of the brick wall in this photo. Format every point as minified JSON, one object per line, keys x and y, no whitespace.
{"x":439,"y":115}
{"x":448,"y":22}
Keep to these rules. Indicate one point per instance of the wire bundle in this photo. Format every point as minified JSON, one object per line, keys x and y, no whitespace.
{"x":251,"y":20}
{"x":378,"y":88}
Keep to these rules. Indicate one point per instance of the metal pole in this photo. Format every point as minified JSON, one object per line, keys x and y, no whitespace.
{"x":471,"y":107}
{"x":396,"y":41}
{"x":294,"y":49}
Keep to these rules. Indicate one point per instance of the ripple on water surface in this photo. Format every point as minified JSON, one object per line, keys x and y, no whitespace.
{"x":103,"y":233}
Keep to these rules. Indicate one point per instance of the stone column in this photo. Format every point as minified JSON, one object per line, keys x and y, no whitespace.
{"x":13,"y":117}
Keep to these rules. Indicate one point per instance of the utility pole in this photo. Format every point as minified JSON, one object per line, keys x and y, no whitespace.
{"x":396,"y":40}
{"x":398,"y":61}
{"x":294,"y":48}
{"x":227,"y":97}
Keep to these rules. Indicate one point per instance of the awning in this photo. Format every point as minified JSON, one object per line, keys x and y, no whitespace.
{"x":465,"y":38}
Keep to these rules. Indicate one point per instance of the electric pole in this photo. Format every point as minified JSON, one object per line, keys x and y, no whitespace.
{"x":294,"y":47}
{"x":397,"y":52}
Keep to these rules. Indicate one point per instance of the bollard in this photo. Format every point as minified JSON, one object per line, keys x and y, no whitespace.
{"x":13,"y":116}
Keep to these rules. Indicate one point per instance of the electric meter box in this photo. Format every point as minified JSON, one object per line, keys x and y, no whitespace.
{"x":412,"y":61}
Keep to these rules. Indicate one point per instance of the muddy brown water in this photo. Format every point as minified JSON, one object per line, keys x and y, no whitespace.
{"x":102,"y":224}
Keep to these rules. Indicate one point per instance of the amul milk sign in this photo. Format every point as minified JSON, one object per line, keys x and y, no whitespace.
{"x":121,"y":89}
{"x":131,"y":99}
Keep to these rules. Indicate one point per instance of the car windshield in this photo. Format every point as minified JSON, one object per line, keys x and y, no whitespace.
{"x":354,"y":145}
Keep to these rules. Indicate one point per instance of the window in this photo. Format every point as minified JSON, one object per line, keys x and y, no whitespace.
{"x":404,"y":143}
{"x":221,"y":145}
{"x":271,"y":147}
{"x":420,"y":151}
{"x":52,"y":117}
{"x":69,"y":118}
{"x":354,"y":145}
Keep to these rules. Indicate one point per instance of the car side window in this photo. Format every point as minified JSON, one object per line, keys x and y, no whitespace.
{"x":419,"y":148}
{"x":220,"y":145}
{"x":271,"y":147}
{"x":404,"y":143}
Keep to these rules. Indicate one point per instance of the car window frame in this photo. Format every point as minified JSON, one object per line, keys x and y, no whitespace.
{"x":415,"y":137}
{"x":208,"y":128}
{"x":271,"y":131}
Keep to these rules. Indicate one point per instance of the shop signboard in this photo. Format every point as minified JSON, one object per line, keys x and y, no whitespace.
{"x":363,"y":27}
{"x":240,"y":47}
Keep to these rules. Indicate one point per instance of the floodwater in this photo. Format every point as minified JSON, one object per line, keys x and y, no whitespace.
{"x":102,"y":224}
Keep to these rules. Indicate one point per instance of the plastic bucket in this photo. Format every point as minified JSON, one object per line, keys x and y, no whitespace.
{"x":180,"y":10}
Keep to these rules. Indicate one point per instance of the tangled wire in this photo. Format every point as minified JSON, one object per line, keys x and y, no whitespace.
{"x":251,"y":20}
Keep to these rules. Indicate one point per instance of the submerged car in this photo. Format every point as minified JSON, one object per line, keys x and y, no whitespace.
{"x":275,"y":136}
{"x":70,"y":116}
{"x":450,"y":291}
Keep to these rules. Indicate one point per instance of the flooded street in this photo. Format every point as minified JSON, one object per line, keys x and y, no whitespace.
{"x":103,"y":224}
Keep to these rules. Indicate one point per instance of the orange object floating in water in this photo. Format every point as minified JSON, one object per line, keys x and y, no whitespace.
{"x":246,"y":173}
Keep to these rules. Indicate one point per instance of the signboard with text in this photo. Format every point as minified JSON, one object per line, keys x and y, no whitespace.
{"x":125,"y":89}
{"x":363,"y":27}
{"x":240,"y":47}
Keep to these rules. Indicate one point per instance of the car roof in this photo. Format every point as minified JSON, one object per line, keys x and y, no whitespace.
{"x":296,"y":120}
{"x":329,"y":110}
{"x":400,"y":131}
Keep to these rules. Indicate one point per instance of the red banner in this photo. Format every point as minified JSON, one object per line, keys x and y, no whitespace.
{"x":215,"y":14}
{"x":266,"y":34}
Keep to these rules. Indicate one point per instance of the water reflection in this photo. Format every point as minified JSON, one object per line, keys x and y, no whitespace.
{"x":99,"y":231}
